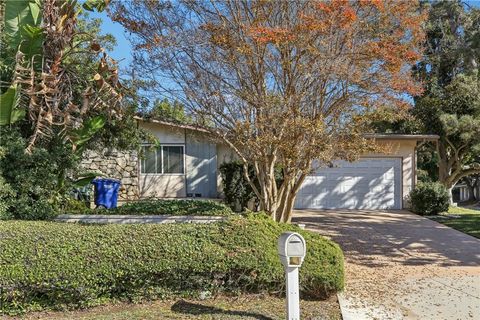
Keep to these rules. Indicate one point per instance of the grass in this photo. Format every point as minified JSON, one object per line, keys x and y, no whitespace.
{"x":462,"y":210}
{"x":462,"y":219}
{"x":246,"y":307}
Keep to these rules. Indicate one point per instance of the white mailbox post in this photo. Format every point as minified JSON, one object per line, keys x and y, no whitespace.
{"x":292,"y":250}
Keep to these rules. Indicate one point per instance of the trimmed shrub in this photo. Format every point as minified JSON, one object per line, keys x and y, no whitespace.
{"x":50,"y":265}
{"x":169,"y":207}
{"x":236,"y":188}
{"x":429,"y":198}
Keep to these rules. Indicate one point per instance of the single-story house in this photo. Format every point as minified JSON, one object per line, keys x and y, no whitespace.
{"x":186,"y":165}
{"x":461,"y":192}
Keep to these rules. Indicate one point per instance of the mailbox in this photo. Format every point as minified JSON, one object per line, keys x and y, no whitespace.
{"x":291,"y":249}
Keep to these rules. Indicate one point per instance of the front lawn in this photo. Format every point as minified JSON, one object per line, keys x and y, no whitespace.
{"x":52,"y":265}
{"x":245,"y":307}
{"x":462,"y":219}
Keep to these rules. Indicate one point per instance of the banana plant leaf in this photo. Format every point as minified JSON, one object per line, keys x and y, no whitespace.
{"x":18,"y":14}
{"x":9,"y":113}
{"x":84,"y":179}
{"x":32,"y":40}
{"x":89,"y":129}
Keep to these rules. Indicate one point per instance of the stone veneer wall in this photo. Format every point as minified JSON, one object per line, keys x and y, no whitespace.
{"x":122,"y":165}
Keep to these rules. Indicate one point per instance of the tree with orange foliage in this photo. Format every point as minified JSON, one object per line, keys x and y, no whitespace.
{"x":289,"y":84}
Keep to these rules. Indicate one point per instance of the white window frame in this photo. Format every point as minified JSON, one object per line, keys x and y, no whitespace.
{"x":161,"y":157}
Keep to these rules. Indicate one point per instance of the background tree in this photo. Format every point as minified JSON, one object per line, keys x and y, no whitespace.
{"x":287,"y":84}
{"x":168,"y":111}
{"x":450,"y":105}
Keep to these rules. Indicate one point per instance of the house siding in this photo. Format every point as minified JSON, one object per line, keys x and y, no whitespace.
{"x":165,"y":134}
{"x":201,"y":165}
{"x":200,"y":177}
{"x":160,"y":185}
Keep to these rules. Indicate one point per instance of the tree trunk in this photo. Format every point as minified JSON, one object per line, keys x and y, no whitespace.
{"x":279,"y":203}
{"x":444,"y":171}
{"x":472,"y":184}
{"x":287,"y":218}
{"x":285,"y":210}
{"x":449,"y":184}
{"x":443,"y":167}
{"x":450,"y":195}
{"x":451,"y":169}
{"x":266,"y":191}
{"x":477,"y":188}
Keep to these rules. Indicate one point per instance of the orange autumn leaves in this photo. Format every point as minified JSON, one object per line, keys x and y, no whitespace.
{"x":325,"y":15}
{"x":272,"y":35}
{"x":387,"y":35}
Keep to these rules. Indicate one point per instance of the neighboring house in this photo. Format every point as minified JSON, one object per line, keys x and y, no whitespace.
{"x":186,"y":165}
{"x":461,"y":192}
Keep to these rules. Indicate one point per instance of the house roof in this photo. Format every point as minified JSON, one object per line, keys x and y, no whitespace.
{"x":172,"y":124}
{"x":396,"y":136}
{"x":379,"y":136}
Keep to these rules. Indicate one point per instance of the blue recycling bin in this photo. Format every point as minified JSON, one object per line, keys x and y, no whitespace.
{"x":106,"y":192}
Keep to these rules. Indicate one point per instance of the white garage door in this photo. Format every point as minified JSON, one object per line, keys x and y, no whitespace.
{"x":370,"y":183}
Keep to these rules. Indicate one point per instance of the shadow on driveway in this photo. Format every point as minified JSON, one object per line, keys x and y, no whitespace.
{"x":372,"y":238}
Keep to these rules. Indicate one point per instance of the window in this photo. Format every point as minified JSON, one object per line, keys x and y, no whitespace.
{"x":167,"y":159}
{"x":172,"y":159}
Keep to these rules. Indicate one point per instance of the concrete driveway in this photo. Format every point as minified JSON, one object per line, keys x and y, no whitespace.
{"x":400,"y":265}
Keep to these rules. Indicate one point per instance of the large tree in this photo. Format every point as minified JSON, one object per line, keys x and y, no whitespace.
{"x":450,"y":105}
{"x":287,"y":84}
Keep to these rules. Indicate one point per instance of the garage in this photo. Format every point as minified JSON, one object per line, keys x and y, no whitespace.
{"x":370,"y":183}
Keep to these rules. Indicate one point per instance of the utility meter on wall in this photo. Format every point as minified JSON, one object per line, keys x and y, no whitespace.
{"x":292,"y":250}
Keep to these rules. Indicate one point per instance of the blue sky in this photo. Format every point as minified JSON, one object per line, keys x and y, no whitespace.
{"x":123,"y":50}
{"x":475,"y":3}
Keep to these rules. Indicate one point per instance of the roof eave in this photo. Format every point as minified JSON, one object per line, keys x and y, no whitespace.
{"x":172,"y":124}
{"x":379,"y":136}
{"x":394,"y":136}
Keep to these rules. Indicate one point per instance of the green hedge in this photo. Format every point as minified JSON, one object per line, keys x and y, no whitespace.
{"x":171,"y":207}
{"x":429,"y":198}
{"x":236,"y":188}
{"x":50,"y":265}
